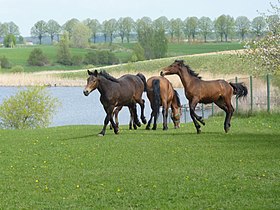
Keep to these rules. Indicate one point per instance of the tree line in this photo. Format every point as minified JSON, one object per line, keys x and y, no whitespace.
{"x":223,"y":27}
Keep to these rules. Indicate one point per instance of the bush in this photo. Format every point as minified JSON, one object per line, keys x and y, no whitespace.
{"x":17,"y":69}
{"x":77,"y":60}
{"x":103,"y":57}
{"x":29,"y":108}
{"x":10,"y":41}
{"x":5,"y":63}
{"x":37,"y":58}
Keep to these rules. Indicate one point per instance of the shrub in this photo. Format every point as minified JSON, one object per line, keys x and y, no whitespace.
{"x":29,"y":108}
{"x":77,"y":60}
{"x":17,"y":69}
{"x":10,"y":41}
{"x":37,"y":58}
{"x":103,"y":57}
{"x":5,"y":63}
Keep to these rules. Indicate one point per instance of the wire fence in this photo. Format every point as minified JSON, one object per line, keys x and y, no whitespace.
{"x":263,"y":95}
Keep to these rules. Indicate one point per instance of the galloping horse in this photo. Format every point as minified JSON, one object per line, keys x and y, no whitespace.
{"x":125,"y":91}
{"x":200,"y":91}
{"x":161,"y":93}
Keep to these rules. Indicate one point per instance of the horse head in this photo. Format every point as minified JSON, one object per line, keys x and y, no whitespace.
{"x":174,"y":68}
{"x":92,"y":82}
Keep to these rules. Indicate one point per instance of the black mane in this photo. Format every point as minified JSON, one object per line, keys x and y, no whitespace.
{"x":192,"y":72}
{"x":108,"y":76}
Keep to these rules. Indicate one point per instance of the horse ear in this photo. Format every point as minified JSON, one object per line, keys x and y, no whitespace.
{"x":89,"y":72}
{"x":95,"y":73}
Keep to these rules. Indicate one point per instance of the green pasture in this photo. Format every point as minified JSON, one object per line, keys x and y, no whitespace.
{"x":19,"y":56}
{"x":70,"y":167}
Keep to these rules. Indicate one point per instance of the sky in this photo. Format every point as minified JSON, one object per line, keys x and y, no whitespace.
{"x":25,"y":13}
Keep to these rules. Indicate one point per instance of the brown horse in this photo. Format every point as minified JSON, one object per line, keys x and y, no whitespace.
{"x":161,"y":93}
{"x":199,"y":91}
{"x":125,"y":91}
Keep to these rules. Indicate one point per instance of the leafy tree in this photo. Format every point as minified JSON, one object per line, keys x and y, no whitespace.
{"x":138,"y":53}
{"x":80,"y":36}
{"x":53,"y":28}
{"x":69,"y":25}
{"x":94,"y":26}
{"x":152,"y":40}
{"x":63,"y":53}
{"x":37,"y":58}
{"x":265,"y":52}
{"x":30,"y":108}
{"x":10,"y":41}
{"x":9,"y":28}
{"x":162,"y":23}
{"x":191,"y":27}
{"x":109,"y":28}
{"x":125,"y":27}
{"x":224,"y":25}
{"x":39,"y":30}
{"x":205,"y":26}
{"x":242,"y":24}
{"x":258,"y":26}
{"x":273,"y":23}
{"x":176,"y":28}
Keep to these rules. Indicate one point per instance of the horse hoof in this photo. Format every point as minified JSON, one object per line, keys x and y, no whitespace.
{"x":144,"y":121}
{"x":100,"y":134}
{"x":148,"y":128}
{"x":198,"y":131}
{"x":154,"y":128}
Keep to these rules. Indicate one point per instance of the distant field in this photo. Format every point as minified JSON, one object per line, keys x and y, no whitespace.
{"x":19,"y":56}
{"x":71,"y":168}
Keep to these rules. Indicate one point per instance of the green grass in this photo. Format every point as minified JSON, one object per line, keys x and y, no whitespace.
{"x":19,"y":56}
{"x":71,"y":168}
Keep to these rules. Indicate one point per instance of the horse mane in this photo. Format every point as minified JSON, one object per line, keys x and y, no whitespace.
{"x":192,"y":72}
{"x":108,"y":76}
{"x":177,"y":97}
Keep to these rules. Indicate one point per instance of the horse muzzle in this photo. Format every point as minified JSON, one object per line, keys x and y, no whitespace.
{"x":86,"y":92}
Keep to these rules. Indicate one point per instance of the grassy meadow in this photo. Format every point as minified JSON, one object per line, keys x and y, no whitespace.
{"x":19,"y":56}
{"x":70,"y":167}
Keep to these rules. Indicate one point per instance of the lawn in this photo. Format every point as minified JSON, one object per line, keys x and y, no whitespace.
{"x":19,"y":56}
{"x":70,"y":167}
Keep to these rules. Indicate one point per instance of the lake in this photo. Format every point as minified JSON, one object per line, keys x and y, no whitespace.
{"x":77,"y":109}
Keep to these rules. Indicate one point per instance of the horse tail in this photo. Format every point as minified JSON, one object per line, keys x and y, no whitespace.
{"x":177,"y":97}
{"x":143,"y":78}
{"x":239,"y":89}
{"x":156,"y":91}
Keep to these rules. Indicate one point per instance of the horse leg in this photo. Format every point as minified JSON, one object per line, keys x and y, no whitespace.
{"x":164,"y":114}
{"x":192,"y":105}
{"x":131,"y":122}
{"x":155,"y":120}
{"x":135,"y":116}
{"x":108,"y":118}
{"x":221,"y":103}
{"x":142,"y":105}
{"x":150,"y":120}
{"x":199,"y":118}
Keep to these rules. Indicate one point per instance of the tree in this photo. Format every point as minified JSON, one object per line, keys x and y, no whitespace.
{"x":94,"y":26}
{"x":30,"y":108}
{"x":242,"y":25}
{"x":152,"y":40}
{"x":258,"y":26}
{"x":39,"y":30}
{"x":63,"y":53}
{"x":191,"y":27}
{"x":69,"y":25}
{"x":224,"y":26}
{"x":9,"y":28}
{"x":80,"y":35}
{"x":53,"y":28}
{"x":109,"y":28}
{"x":176,"y":29}
{"x":205,"y":26}
{"x":10,"y":41}
{"x":265,"y":51}
{"x":125,"y":27}
{"x":273,"y":23}
{"x":37,"y":58}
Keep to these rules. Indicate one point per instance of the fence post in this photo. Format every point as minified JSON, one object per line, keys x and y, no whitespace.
{"x":268,"y":92}
{"x":212,"y":108}
{"x":202,"y":110}
{"x":251,"y":92}
{"x":185,"y":113}
{"x":236,"y":99}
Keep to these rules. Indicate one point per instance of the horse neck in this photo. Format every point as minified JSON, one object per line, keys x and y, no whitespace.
{"x":185,"y":77}
{"x":105,"y":85}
